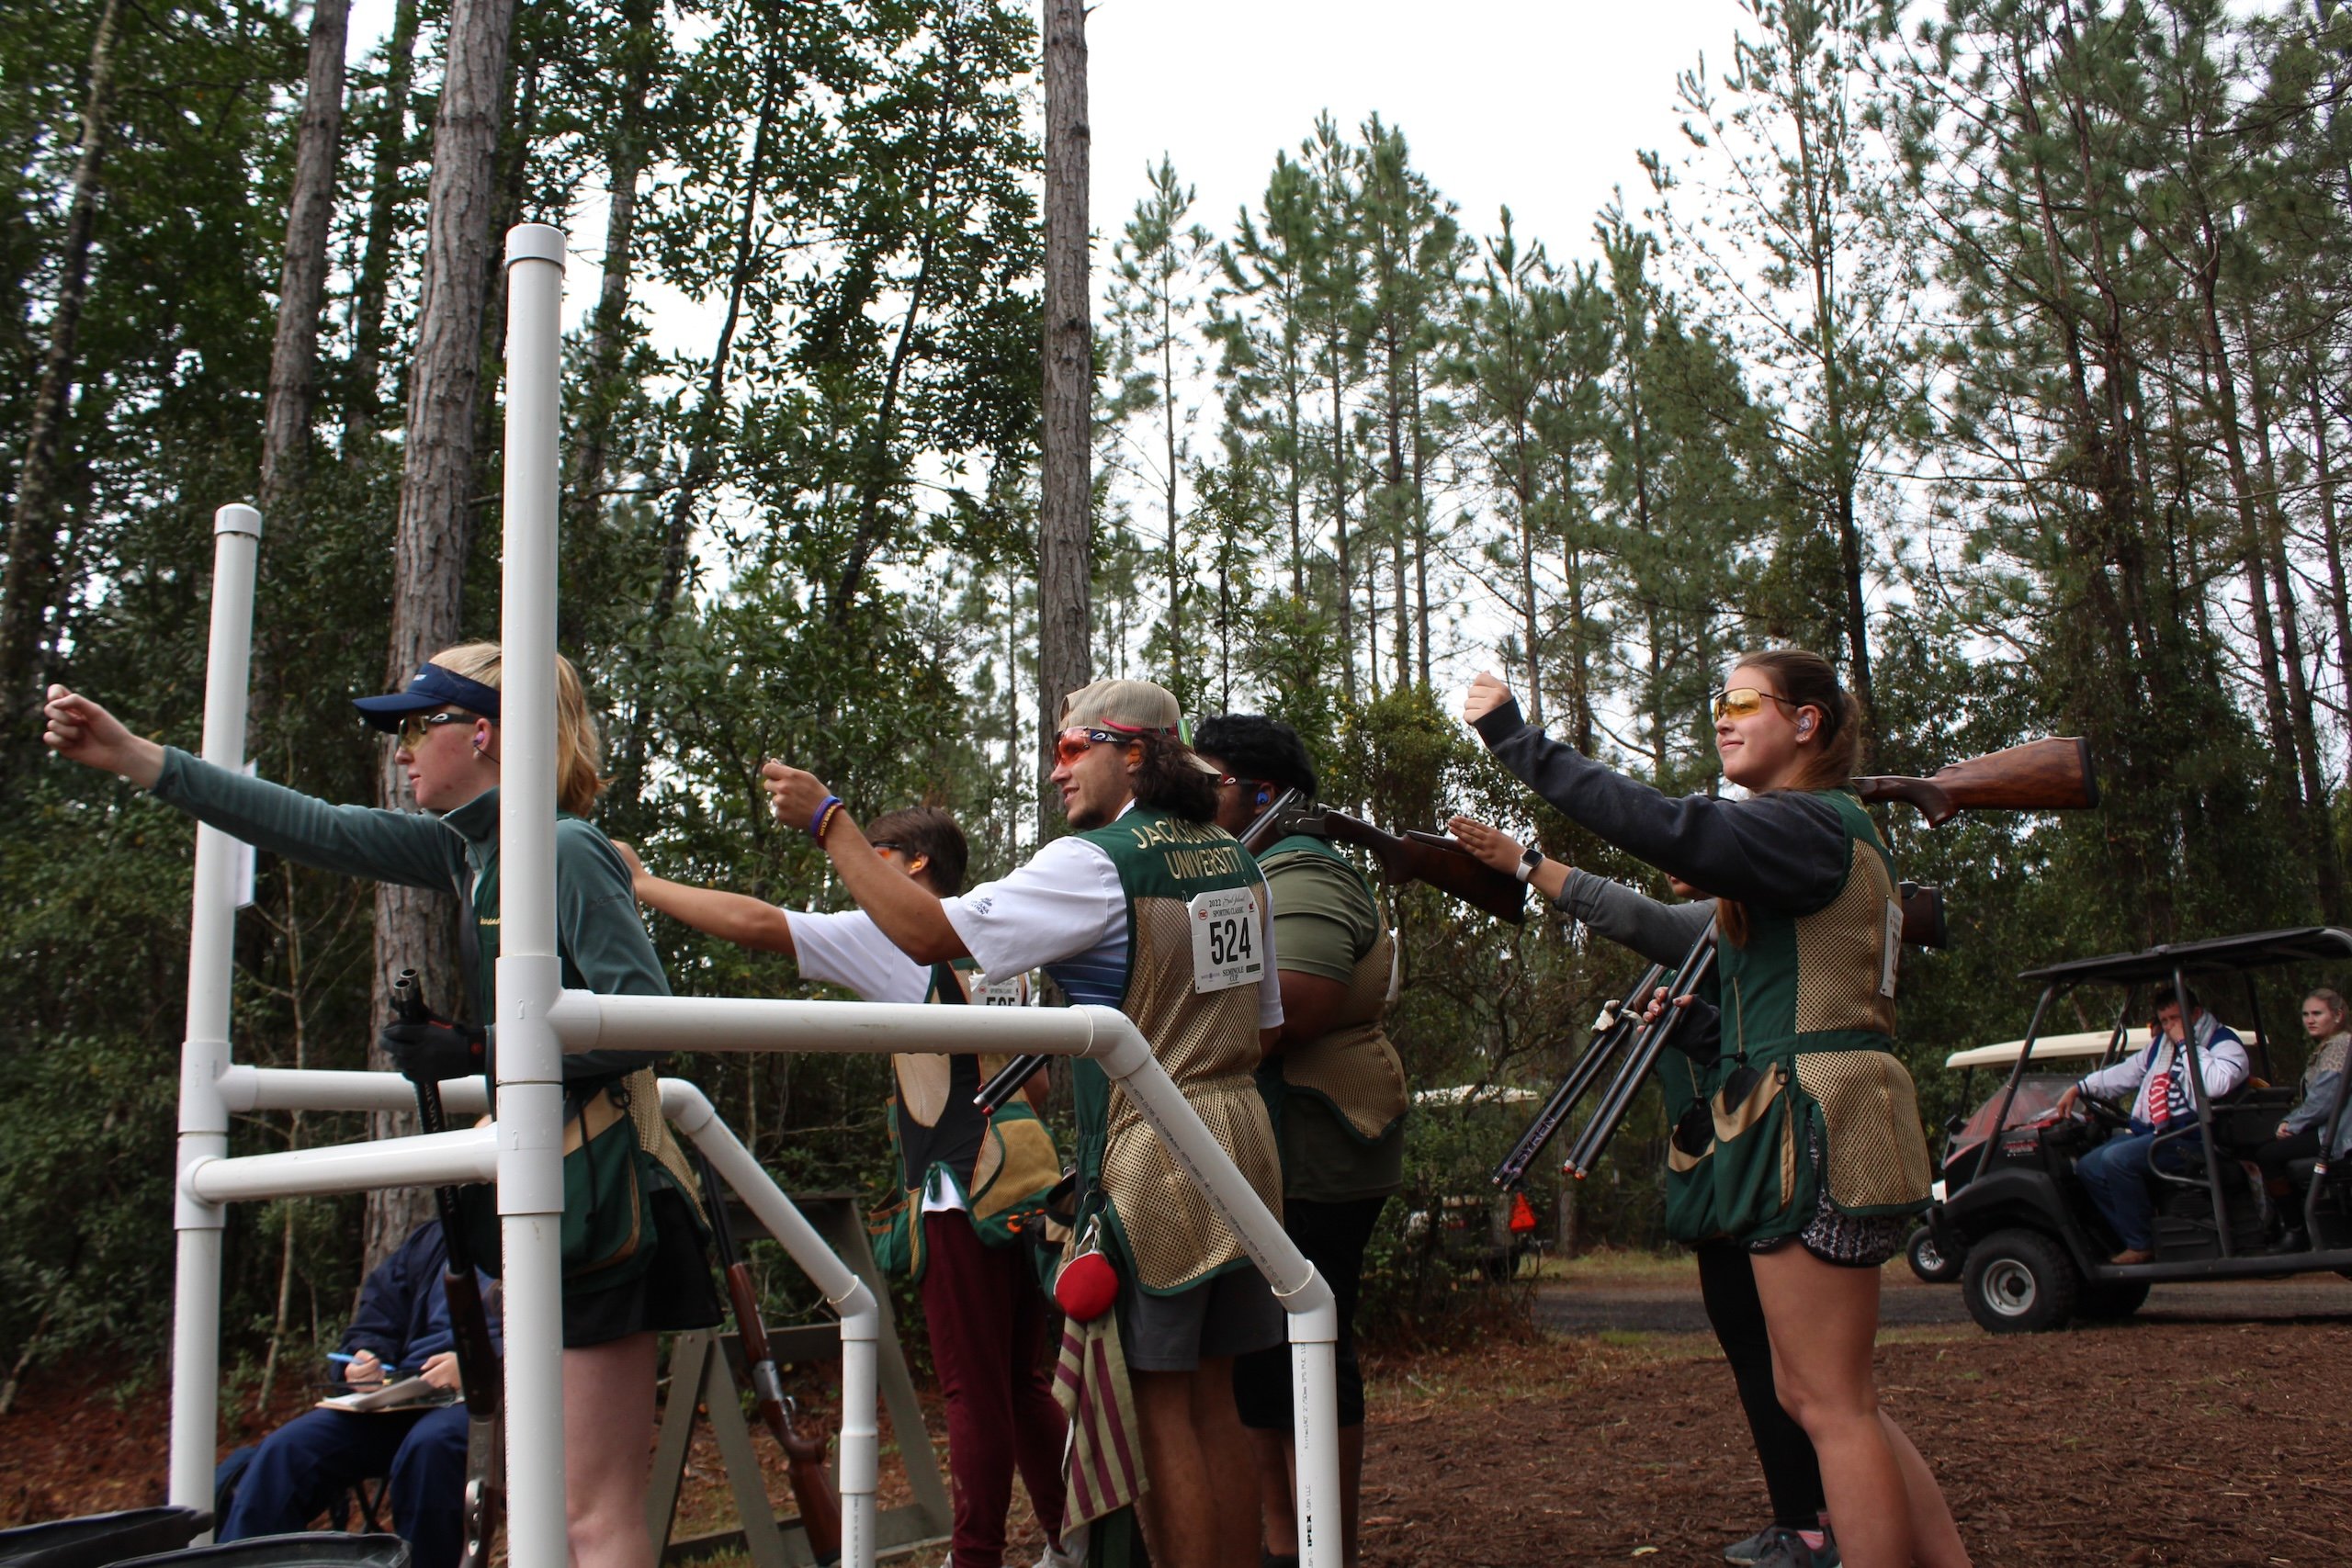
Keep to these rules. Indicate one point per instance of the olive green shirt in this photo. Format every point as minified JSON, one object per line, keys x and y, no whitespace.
{"x":1324,"y":922}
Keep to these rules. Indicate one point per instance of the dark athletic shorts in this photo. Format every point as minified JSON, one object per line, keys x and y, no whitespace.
{"x":1229,"y":1315}
{"x":678,"y":1292}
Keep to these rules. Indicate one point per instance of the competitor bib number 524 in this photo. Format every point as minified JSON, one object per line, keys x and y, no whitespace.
{"x":1225,"y":939}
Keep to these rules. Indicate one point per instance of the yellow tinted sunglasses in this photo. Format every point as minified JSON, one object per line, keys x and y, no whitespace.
{"x":1745,"y":702}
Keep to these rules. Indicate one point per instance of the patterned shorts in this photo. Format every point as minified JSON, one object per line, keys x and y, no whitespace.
{"x":1850,"y":1241}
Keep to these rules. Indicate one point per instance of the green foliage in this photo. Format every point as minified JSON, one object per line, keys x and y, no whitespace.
{"x":2003,"y":361}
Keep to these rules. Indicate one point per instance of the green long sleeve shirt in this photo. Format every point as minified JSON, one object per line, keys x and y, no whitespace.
{"x":600,"y":939}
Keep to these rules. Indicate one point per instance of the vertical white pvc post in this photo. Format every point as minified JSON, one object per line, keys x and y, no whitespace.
{"x":530,"y":1058}
{"x":204,"y":1055}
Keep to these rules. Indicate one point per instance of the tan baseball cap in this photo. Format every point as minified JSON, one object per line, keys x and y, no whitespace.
{"x":1130,"y":707}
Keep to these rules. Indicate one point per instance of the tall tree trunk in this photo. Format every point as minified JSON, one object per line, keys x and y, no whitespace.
{"x":1421,"y":531}
{"x":1168,"y":435}
{"x":677,"y":528}
{"x":413,"y":925}
{"x":625,"y":160}
{"x":364,"y":402}
{"x":1065,"y":565}
{"x":26,"y":589}
{"x":1340,"y":514}
{"x":2339,"y":599}
{"x":1395,"y":513}
{"x":2328,"y":868}
{"x":302,"y":280}
{"x":876,"y":469}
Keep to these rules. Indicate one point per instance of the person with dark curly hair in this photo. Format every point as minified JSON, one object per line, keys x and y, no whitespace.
{"x":1108,"y":913}
{"x":1334,"y":1084}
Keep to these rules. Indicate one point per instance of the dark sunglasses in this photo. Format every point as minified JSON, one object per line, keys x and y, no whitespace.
{"x":417,"y":725}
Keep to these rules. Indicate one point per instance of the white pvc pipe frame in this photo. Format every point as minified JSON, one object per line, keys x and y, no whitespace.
{"x":537,"y":1021}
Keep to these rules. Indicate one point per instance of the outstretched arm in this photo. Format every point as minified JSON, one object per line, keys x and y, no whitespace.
{"x":1500,"y":850}
{"x":1783,"y":849}
{"x":82,"y":731}
{"x":733,"y":917}
{"x":908,"y":913}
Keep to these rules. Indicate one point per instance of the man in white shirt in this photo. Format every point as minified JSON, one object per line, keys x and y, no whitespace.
{"x":1109,"y":913}
{"x":2116,"y":1173}
{"x":982,"y":1310}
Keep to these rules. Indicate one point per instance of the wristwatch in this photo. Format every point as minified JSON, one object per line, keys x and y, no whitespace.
{"x":1529,"y":860}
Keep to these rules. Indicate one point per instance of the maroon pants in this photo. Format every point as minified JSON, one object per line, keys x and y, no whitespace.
{"x":986,"y":1318}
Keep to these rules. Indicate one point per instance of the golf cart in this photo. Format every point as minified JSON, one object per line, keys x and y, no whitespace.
{"x":2036,"y":1248}
{"x":2059,"y":1060}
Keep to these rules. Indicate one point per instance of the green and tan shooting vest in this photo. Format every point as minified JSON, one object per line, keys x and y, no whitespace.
{"x":1002,"y":1165}
{"x":1207,"y":1041}
{"x":1808,"y":1015}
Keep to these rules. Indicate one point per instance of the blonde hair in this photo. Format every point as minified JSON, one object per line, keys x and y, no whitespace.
{"x":579,"y":750}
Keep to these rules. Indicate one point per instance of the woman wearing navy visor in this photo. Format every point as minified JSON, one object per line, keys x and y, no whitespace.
{"x":446,"y":722}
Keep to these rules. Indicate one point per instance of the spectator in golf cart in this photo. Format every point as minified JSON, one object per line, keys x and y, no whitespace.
{"x":2116,"y":1173}
{"x":2298,"y":1135}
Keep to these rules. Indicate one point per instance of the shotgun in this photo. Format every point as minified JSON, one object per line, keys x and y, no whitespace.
{"x":469,"y":1319}
{"x":1616,"y":1022}
{"x":2040,"y":775}
{"x":1415,"y":856}
{"x":812,"y":1489}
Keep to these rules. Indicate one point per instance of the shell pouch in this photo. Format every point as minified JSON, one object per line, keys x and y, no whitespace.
{"x":607,"y":1225}
{"x":1759,"y":1177}
{"x":1016,"y":1172}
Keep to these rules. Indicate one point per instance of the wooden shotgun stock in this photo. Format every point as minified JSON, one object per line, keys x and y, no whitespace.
{"x":2040,"y":775}
{"x":1417,"y":856}
{"x":812,"y":1488}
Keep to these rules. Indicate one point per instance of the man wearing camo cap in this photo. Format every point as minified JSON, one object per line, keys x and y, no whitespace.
{"x":1109,"y":913}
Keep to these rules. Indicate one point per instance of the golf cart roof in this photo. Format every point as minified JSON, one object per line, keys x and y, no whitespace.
{"x":2217,"y":956}
{"x":2056,"y":1047}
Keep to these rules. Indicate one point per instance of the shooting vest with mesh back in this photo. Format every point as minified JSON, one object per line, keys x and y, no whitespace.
{"x":1002,"y":1165}
{"x":1206,"y":1041}
{"x":1353,"y":1069}
{"x":1808,"y":1014}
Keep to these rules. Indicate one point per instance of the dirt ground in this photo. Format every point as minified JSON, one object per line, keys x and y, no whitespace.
{"x":2189,"y":1437}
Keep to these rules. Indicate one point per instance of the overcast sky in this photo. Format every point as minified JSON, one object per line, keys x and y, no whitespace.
{"x":1541,"y":104}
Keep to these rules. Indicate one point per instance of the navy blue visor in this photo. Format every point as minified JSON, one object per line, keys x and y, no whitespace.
{"x":432,"y":687}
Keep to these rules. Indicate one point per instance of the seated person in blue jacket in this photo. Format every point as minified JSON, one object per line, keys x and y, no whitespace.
{"x":2116,"y":1173}
{"x":403,"y":1324}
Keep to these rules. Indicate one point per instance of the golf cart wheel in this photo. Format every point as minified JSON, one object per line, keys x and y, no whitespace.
{"x":2112,"y":1299}
{"x":2020,"y":1282}
{"x":1927,"y":1260}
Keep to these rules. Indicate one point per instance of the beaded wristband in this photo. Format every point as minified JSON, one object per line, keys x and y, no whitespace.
{"x":825,"y":808}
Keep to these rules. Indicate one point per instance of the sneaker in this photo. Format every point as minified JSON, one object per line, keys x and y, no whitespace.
{"x":1765,"y":1544}
{"x":2131,"y":1255}
{"x":1779,"y":1546}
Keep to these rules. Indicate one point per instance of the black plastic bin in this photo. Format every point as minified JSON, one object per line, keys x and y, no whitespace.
{"x":96,"y":1540}
{"x":318,"y":1549}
